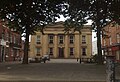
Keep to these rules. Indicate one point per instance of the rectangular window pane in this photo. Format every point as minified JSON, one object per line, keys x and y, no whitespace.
{"x":71,"y":51}
{"x":71,"y":38}
{"x":83,"y":39}
{"x":118,"y":38}
{"x":11,"y":38}
{"x":38,"y":39}
{"x":61,"y":39}
{"x":37,"y":51}
{"x":110,"y":40}
{"x":104,"y":42}
{"x":14,"y":39}
{"x":51,"y":39}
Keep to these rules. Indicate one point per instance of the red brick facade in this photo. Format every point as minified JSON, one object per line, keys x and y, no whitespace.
{"x":111,"y":40}
{"x":10,"y":45}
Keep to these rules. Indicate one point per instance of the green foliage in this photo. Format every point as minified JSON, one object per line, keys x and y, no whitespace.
{"x":24,"y":14}
{"x":101,"y":12}
{"x":27,"y":16}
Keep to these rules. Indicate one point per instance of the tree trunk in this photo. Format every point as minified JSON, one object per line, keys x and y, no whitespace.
{"x":26,"y":47}
{"x":99,"y":49}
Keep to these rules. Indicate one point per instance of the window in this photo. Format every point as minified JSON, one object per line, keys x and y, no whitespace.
{"x":118,"y":38}
{"x":104,"y":42}
{"x":7,"y":37}
{"x":84,"y":51}
{"x":61,"y":39}
{"x":37,"y":51}
{"x":83,"y":39}
{"x":50,"y":51}
{"x":117,"y":26}
{"x":11,"y":52}
{"x":11,"y":39}
{"x":110,"y":40}
{"x":71,"y":38}
{"x":51,"y":39}
{"x":14,"y":39}
{"x":38,"y":39}
{"x":71,"y":51}
{"x":3,"y":34}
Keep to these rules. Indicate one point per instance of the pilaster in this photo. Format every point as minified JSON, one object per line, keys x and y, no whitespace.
{"x":66,"y":54}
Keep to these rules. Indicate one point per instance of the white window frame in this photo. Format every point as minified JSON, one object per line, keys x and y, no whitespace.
{"x":38,"y":39}
{"x":61,"y":39}
{"x":71,"y":39}
{"x":83,"y":39}
{"x":51,"y":38}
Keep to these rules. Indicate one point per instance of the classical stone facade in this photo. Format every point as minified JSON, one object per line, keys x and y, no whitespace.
{"x":57,"y":44}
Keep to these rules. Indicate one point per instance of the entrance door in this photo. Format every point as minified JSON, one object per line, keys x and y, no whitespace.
{"x":61,"y":52}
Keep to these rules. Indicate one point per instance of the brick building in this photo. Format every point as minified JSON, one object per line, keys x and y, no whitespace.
{"x":10,"y":44}
{"x":111,"y":40}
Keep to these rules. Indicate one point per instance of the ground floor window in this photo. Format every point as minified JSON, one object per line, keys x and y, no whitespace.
{"x":37,"y":51}
{"x":50,"y":51}
{"x":71,"y":51}
{"x":117,"y":55}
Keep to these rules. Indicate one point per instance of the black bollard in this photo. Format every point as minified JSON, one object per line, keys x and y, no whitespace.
{"x":80,"y":60}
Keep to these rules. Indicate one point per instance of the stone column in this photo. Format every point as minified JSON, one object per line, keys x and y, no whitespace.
{"x":89,"y":45}
{"x":55,"y":46}
{"x":44,"y":44}
{"x":77,"y":46}
{"x":66,"y":54}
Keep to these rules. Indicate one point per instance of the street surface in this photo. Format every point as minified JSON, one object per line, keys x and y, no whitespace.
{"x":64,"y":70}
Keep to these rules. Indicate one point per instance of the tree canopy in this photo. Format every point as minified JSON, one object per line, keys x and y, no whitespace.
{"x":101,"y":12}
{"x":24,"y":13}
{"x":27,"y":15}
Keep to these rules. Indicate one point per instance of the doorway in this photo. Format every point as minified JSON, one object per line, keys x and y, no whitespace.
{"x":61,"y":52}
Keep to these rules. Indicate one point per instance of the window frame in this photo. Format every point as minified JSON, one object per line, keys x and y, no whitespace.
{"x":38,"y":51}
{"x":110,"y":40}
{"x":71,"y":51}
{"x":38,"y":39}
{"x":61,"y":39}
{"x":83,"y":39}
{"x":118,"y":37}
{"x":71,"y":39}
{"x":51,"y":38}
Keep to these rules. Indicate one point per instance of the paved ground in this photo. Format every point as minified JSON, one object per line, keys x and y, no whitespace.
{"x":54,"y":70}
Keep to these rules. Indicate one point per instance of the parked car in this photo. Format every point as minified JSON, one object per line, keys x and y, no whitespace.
{"x":46,"y":57}
{"x":31,"y":59}
{"x":35,"y":60}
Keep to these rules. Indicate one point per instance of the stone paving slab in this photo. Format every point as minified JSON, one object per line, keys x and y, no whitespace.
{"x":53,"y":71}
